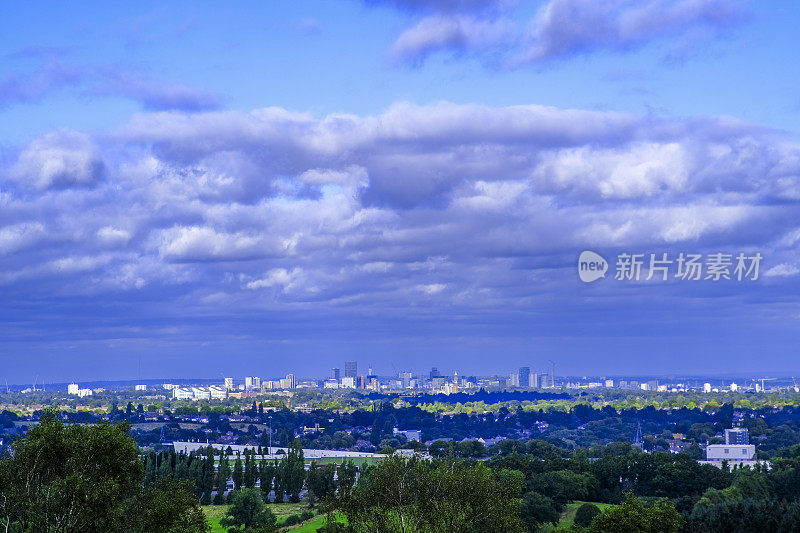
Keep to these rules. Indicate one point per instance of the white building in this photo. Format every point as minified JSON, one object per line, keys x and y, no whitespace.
{"x":348,"y":383}
{"x":229,"y":383}
{"x":252,"y":382}
{"x":201,"y":393}
{"x":218,"y":393}
{"x":182,"y":394}
{"x":82,"y":393}
{"x":734,"y":454}
{"x":72,"y":388}
{"x":140,"y":387}
{"x":734,"y":387}
{"x":169,"y":386}
{"x":409,"y":434}
{"x":706,"y":387}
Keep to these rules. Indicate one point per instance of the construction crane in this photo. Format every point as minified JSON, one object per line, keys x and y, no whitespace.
{"x":762,"y":382}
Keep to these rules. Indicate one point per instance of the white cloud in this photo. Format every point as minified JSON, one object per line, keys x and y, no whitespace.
{"x":782,"y":270}
{"x":59,"y":160}
{"x":441,"y":32}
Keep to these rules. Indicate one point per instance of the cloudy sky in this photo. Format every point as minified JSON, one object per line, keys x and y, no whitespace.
{"x":271,"y":187}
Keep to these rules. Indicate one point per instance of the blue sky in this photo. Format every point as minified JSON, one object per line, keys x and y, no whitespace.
{"x":270,"y":187}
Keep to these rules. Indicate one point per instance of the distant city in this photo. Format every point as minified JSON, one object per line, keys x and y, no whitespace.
{"x":432,"y":381}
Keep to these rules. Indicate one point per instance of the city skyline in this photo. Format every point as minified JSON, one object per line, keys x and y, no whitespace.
{"x":188,"y":190}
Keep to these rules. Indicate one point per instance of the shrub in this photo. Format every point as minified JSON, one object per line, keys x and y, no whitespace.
{"x":585,"y":514}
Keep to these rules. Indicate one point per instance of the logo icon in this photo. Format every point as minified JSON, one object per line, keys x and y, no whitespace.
{"x":591,"y":266}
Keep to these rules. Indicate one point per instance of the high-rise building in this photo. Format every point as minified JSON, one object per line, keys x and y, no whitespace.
{"x":252,"y":383}
{"x":288,"y":382}
{"x":405,"y":377}
{"x":706,"y":387}
{"x":435,"y":373}
{"x":533,"y":381}
{"x":524,"y":376}
{"x":229,"y":384}
{"x":351,"y":369}
{"x":737,"y":436}
{"x":335,"y":374}
{"x":72,"y":388}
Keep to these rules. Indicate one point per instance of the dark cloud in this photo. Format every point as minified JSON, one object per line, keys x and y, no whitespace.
{"x":439,"y":211}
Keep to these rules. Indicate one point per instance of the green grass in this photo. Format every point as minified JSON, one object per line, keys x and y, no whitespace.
{"x":309,"y":527}
{"x":358,"y":461}
{"x":215,"y":513}
{"x":313,"y":525}
{"x":568,"y":516}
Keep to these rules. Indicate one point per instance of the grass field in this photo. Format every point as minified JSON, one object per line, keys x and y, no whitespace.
{"x":568,"y":516}
{"x":214,"y":513}
{"x":358,"y":461}
{"x":309,"y":527}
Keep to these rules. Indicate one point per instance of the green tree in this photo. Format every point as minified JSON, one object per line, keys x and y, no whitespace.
{"x":87,"y":478}
{"x":347,"y":474}
{"x":399,"y":495}
{"x":294,"y":473}
{"x":249,"y":512}
{"x":631,"y":516}
{"x":265,"y":475}
{"x":71,"y":478}
{"x":320,"y":481}
{"x":169,"y":507}
{"x":537,"y":510}
{"x":279,"y":483}
{"x":238,"y":473}
{"x":585,"y":514}
{"x":250,"y":470}
{"x":223,"y":473}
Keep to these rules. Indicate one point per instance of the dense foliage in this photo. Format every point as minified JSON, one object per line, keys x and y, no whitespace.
{"x":74,"y":478}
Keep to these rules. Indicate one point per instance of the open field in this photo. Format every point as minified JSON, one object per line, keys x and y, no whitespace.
{"x":215,"y":513}
{"x":358,"y":461}
{"x":568,"y":516}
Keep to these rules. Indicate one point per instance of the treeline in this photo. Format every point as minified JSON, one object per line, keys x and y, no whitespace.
{"x":213,"y":473}
{"x":527,"y":489}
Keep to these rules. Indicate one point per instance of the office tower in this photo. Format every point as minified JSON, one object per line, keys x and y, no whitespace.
{"x":534,"y":380}
{"x":335,"y":374}
{"x":737,"y":436}
{"x":229,"y":384}
{"x":524,"y":376}
{"x":350,"y":369}
{"x":405,"y":377}
{"x":435,"y":373}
